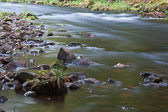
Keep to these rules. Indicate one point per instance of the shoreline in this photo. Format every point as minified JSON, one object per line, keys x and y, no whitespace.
{"x":158,"y":9}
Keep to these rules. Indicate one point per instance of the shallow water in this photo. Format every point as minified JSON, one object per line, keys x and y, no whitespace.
{"x":120,"y":38}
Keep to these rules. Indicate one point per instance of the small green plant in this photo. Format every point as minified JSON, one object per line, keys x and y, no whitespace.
{"x":59,"y":75}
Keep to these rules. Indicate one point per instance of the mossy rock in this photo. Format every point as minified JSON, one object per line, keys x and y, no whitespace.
{"x":23,"y":76}
{"x":50,"y":87}
{"x":29,"y":16}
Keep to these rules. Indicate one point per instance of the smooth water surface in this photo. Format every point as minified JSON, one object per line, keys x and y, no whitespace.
{"x":120,"y":38}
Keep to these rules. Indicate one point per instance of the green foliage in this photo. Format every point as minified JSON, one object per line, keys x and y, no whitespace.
{"x":29,"y":16}
{"x":58,"y":73}
{"x":166,"y":12}
{"x":4,"y":14}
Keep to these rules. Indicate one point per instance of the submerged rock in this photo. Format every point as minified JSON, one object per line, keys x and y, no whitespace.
{"x":81,"y":61}
{"x":74,"y":44}
{"x":90,"y":35}
{"x":111,"y":80}
{"x":77,"y":76}
{"x":72,"y":86}
{"x":87,"y":81}
{"x":66,"y":55}
{"x":3,"y":99}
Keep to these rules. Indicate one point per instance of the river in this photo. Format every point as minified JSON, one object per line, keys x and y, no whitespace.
{"x":120,"y":38}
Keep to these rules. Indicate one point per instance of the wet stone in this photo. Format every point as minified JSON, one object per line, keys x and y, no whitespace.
{"x":66,"y":55}
{"x":30,"y":94}
{"x":87,"y":81}
{"x":77,"y":76}
{"x":111,"y":80}
{"x":23,"y":76}
{"x":72,"y":86}
{"x":3,"y":99}
{"x":72,"y":44}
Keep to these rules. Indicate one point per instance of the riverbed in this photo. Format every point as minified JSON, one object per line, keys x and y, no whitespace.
{"x":120,"y":38}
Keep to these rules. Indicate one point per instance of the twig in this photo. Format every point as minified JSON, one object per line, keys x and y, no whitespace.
{"x":14,"y":108}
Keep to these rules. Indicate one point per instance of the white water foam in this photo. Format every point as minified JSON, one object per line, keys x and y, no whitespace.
{"x":123,"y":17}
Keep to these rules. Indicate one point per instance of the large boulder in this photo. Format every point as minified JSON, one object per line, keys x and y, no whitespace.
{"x":23,"y":76}
{"x":66,"y":55}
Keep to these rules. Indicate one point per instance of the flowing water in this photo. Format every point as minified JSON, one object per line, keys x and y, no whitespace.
{"x":120,"y":38}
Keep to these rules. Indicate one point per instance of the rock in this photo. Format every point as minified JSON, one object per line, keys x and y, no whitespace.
{"x":160,"y":14}
{"x":66,"y":55}
{"x":20,"y":63}
{"x":87,"y":81}
{"x":44,"y":67}
{"x":72,"y":86}
{"x":6,"y":60}
{"x":146,"y":74}
{"x":153,"y":80}
{"x":60,"y":65}
{"x":81,"y":61}
{"x":41,"y":51}
{"x":111,"y":81}
{"x":77,"y":76}
{"x":119,"y":65}
{"x":50,"y":87}
{"x":23,"y":76}
{"x":1,"y":110}
{"x":16,"y":84}
{"x":26,"y":86}
{"x":3,"y":99}
{"x":50,"y":34}
{"x":11,"y":66}
{"x":90,"y":35}
{"x":30,"y":94}
{"x":74,"y":44}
